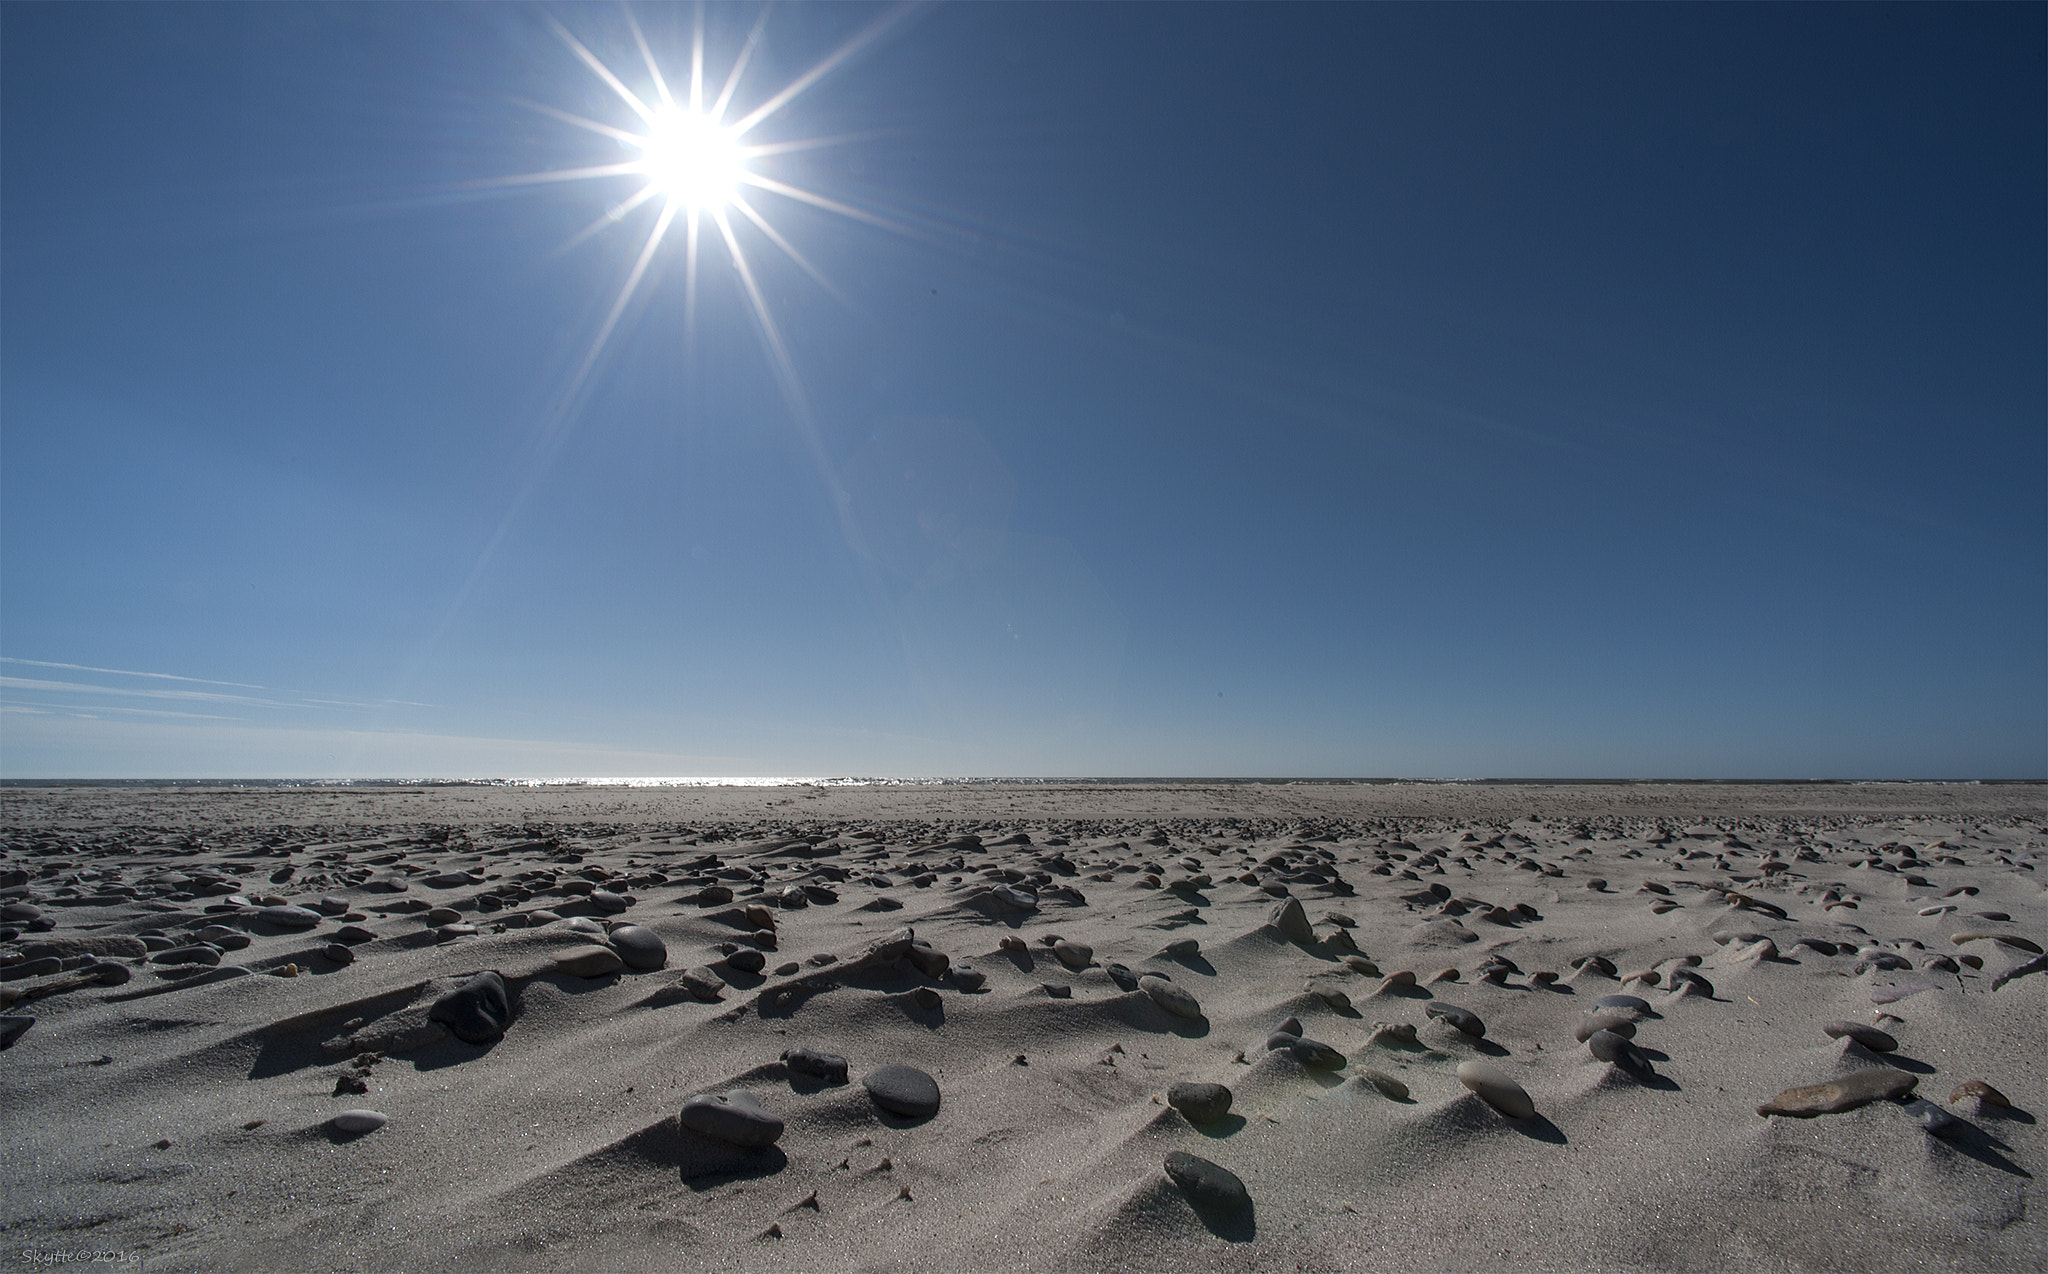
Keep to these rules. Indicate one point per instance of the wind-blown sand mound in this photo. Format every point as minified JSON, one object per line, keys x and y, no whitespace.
{"x":937,"y":1028}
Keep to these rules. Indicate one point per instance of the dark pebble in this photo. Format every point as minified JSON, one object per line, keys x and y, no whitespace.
{"x":1205,"y":1184}
{"x":830,"y":1067}
{"x":478,"y":1011}
{"x":737,"y":1118}
{"x":1465,"y":1020}
{"x":903,"y":1090}
{"x":1200,"y":1103}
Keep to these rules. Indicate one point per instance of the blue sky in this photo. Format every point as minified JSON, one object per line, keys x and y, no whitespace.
{"x":1448,"y":390}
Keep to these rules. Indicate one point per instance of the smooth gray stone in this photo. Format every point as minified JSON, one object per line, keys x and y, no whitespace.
{"x":701,"y":983}
{"x":746,"y":961}
{"x":830,"y":1067}
{"x":966,"y":977}
{"x":1075,"y":955}
{"x":1121,"y":975}
{"x":289,"y":917}
{"x":1280,"y":1039}
{"x":1385,"y":1083}
{"x":476,"y":1012}
{"x":1845,"y":1092}
{"x":903,"y":1090}
{"x":1496,"y":1088}
{"x":1057,"y":990}
{"x":1292,"y":922}
{"x":450,"y":880}
{"x":1465,"y":1020}
{"x":1016,"y":899}
{"x":360,"y":1121}
{"x":1316,"y":1055}
{"x":737,"y":1118}
{"x":1200,"y":1103}
{"x":12,"y":1027}
{"x":1622,"y":1024}
{"x":1934,"y":1119}
{"x":584,"y":924}
{"x":1206,"y":1185}
{"x":354,"y":935}
{"x":1288,"y":1026}
{"x":1181,"y":949}
{"x":607,"y":901}
{"x":54,"y":964}
{"x":1868,"y":1036}
{"x":187,"y":955}
{"x":590,"y":961}
{"x":928,"y":959}
{"x":1624,"y":1003}
{"x":1610,"y":1047}
{"x":338,"y":953}
{"x":1170,"y":997}
{"x":640,"y":947}
{"x":110,"y":973}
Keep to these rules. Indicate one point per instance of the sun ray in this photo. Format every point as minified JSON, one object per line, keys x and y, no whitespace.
{"x":604,"y":72}
{"x":796,"y":87}
{"x":771,"y":336}
{"x":697,"y":63}
{"x":611,"y":216}
{"x":603,"y":130}
{"x":761,"y":150}
{"x":820,"y":201}
{"x":739,"y":66}
{"x":560,"y":174}
{"x":626,"y":290}
{"x":647,"y":56}
{"x":789,"y":249}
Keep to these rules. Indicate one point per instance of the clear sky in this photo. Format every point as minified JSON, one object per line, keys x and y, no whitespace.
{"x":1399,"y":390}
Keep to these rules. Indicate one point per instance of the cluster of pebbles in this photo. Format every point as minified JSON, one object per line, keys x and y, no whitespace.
{"x":1402,"y":925}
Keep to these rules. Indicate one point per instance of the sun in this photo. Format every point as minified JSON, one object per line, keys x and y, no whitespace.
{"x":691,"y":158}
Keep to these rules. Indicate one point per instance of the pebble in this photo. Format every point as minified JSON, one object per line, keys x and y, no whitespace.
{"x":926,"y":998}
{"x":1846,"y":1092}
{"x":360,"y":1121}
{"x":2005,"y":939}
{"x":443,"y":916}
{"x":1057,"y":990}
{"x":1631,"y":1004}
{"x":1121,"y":975}
{"x":1315,"y":1054}
{"x":12,"y":1027}
{"x":930,"y":961}
{"x":1610,"y":1047}
{"x":1392,"y":1034}
{"x":289,"y":917}
{"x":1868,"y":1036}
{"x":1893,"y":994}
{"x":1983,"y":1092}
{"x":1181,"y":949}
{"x":354,"y":935}
{"x":1075,"y":955}
{"x":1385,"y":1083}
{"x":830,"y":1067}
{"x":450,"y":880}
{"x":1622,"y":1024}
{"x":736,"y":1117}
{"x":589,"y":962}
{"x":966,"y":977}
{"x":1450,"y":1014}
{"x":1329,"y":995}
{"x":1292,"y":922}
{"x":746,"y":961}
{"x":903,"y":1090}
{"x":584,"y":924}
{"x":1395,"y":981}
{"x":1170,"y":997}
{"x":1933,"y":1118}
{"x":1496,"y":1089}
{"x":1200,"y":1103}
{"x":1360,"y":965}
{"x":639,"y":946}
{"x":177,"y":955}
{"x":476,"y":1012}
{"x":1205,"y":1184}
{"x":702,"y":983}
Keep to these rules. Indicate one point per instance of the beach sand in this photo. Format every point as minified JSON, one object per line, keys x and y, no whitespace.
{"x":173,"y":1119}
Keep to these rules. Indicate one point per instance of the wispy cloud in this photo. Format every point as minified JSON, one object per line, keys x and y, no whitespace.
{"x":43,"y":709}
{"x":124,"y":672}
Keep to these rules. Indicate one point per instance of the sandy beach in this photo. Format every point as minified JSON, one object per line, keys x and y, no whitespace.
{"x":1025,"y":1027}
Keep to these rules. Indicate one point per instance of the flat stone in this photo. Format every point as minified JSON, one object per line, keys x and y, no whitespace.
{"x":1868,"y":1036}
{"x":1170,"y":997}
{"x":928,"y":959}
{"x":1496,"y":1088}
{"x":1983,"y":1092}
{"x":1611,"y":1047}
{"x":966,"y":977}
{"x":746,"y":961}
{"x":640,"y":947}
{"x":1200,"y":1103}
{"x":1206,"y":1185}
{"x":1619,"y":1023}
{"x":1464,"y":1019}
{"x":443,"y":916}
{"x":607,"y":901}
{"x":12,"y":1027}
{"x":476,"y":1012}
{"x":1625,"y":1004}
{"x":736,"y":1117}
{"x":2012,"y":940}
{"x":1315,"y":1054}
{"x":1075,"y":955}
{"x":1846,"y":1092}
{"x":1292,"y":922}
{"x":830,"y":1067}
{"x":451,"y":880}
{"x":338,"y":953}
{"x":903,"y":1090}
{"x":360,"y":1121}
{"x":289,"y":917}
{"x":702,"y":983}
{"x":589,"y":962}
{"x":1385,"y":1083}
